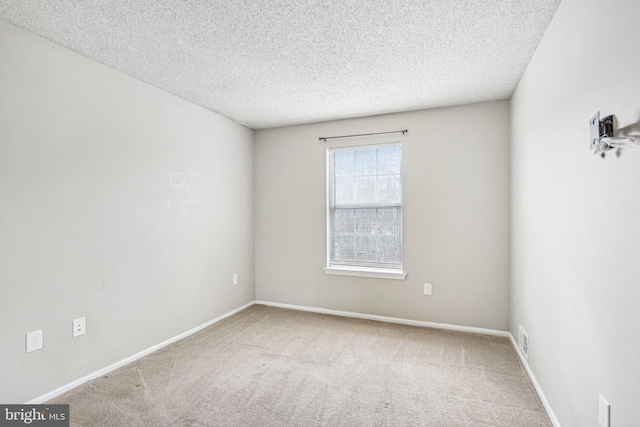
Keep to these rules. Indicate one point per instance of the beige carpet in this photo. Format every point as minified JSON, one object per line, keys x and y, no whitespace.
{"x":274,"y":367}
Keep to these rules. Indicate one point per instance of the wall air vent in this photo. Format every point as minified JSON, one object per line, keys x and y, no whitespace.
{"x":523,"y":341}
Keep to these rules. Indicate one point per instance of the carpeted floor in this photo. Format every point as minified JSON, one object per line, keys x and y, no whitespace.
{"x":274,"y":367}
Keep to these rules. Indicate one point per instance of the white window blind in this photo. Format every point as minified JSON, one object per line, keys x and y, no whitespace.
{"x":364,"y":204}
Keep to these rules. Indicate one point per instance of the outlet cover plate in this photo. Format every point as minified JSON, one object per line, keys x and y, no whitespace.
{"x":604,"y":412}
{"x":79,"y":326}
{"x":427,"y":288}
{"x":34,"y":340}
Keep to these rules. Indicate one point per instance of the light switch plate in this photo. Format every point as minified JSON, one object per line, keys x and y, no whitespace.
{"x":235,"y":279}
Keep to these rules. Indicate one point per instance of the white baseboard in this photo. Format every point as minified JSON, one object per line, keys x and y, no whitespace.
{"x":543,"y":398}
{"x":103,"y":371}
{"x":389,"y":319}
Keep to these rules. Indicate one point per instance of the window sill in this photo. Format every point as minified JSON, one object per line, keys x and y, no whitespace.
{"x":368,"y":272}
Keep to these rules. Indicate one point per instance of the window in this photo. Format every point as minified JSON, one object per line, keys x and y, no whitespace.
{"x":364,"y":211}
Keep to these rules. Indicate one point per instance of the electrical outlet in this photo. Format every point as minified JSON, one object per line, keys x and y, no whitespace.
{"x":427,"y":288}
{"x":79,"y":326}
{"x":604,"y":412}
{"x":34,"y":341}
{"x":235,"y":279}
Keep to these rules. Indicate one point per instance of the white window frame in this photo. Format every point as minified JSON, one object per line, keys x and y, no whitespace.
{"x":362,"y":271}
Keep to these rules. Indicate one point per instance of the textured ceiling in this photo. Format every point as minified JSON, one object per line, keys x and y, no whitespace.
{"x":282,"y":62}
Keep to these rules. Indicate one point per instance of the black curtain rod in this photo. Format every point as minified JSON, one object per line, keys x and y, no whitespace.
{"x":324,"y":138}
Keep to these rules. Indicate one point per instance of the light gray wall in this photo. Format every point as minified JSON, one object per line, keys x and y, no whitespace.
{"x":576,"y":217}
{"x":90,"y":224}
{"x":456,"y":217}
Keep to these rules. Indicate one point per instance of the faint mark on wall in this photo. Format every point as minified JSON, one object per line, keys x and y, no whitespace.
{"x":187,"y":188}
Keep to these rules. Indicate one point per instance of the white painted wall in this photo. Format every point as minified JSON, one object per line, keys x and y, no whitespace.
{"x":456,"y":217}
{"x":90,"y":224}
{"x":576,"y":217}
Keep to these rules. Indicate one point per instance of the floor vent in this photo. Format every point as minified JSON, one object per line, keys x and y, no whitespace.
{"x":523,"y":342}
